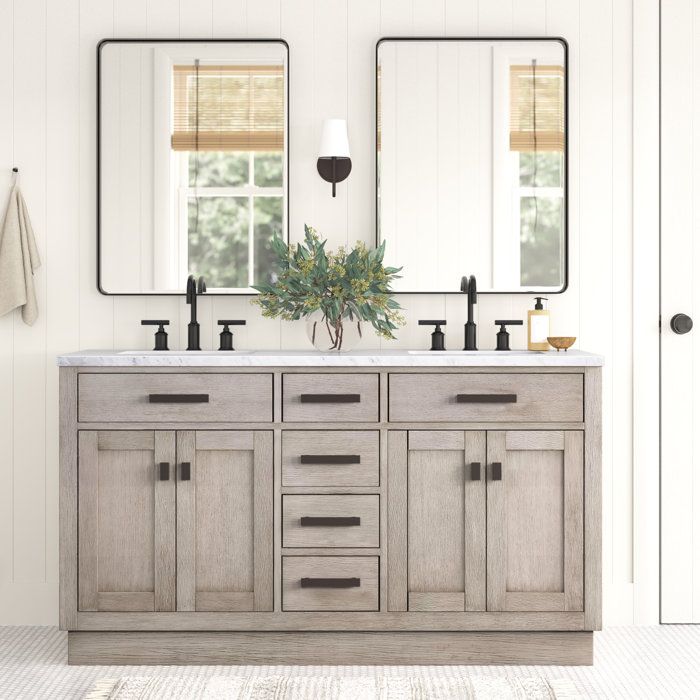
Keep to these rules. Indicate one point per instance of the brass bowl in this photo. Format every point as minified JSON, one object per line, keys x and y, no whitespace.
{"x":561,"y":342}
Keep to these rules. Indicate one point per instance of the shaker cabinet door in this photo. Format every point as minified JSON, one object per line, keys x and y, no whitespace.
{"x":436,"y":511}
{"x":224,"y":520}
{"x":535,"y":520}
{"x":126,"y":520}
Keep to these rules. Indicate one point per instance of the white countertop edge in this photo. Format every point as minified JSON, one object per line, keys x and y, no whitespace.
{"x":303,"y":358}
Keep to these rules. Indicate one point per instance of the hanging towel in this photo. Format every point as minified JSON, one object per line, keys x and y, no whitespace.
{"x":19,"y":258}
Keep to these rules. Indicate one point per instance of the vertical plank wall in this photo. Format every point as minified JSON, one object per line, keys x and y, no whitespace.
{"x":47,"y":129}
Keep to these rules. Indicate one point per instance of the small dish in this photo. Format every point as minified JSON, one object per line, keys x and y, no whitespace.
{"x":561,"y":342}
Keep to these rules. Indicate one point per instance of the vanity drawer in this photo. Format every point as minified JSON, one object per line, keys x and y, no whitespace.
{"x":486,"y":397}
{"x":330,"y":583}
{"x":330,"y":520}
{"x":162,"y":398}
{"x":330,"y":398}
{"x":330,"y":458}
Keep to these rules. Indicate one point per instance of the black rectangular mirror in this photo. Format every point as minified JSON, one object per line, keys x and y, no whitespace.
{"x":192,"y":163}
{"x":472,"y":163}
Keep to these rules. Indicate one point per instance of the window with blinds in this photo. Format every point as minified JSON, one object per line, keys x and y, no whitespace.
{"x":537,"y":108}
{"x":228,"y":108}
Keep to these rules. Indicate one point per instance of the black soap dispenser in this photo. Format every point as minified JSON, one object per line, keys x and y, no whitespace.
{"x":437,"y":336}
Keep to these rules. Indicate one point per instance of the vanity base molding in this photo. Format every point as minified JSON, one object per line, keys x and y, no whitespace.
{"x":330,"y":648}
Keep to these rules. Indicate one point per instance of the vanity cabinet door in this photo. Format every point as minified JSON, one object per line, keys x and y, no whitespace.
{"x":535,"y":520}
{"x":224,"y":520}
{"x":436,"y":520}
{"x":126,"y":520}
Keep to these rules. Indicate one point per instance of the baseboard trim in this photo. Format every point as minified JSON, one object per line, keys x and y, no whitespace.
{"x":330,"y":648}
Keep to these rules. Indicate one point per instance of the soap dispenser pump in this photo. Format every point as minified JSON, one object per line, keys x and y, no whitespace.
{"x":538,"y":326}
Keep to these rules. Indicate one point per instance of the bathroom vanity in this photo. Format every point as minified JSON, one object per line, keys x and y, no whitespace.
{"x":294,"y":507}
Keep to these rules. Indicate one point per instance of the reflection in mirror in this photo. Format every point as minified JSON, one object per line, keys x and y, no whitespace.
{"x":193,"y":164}
{"x":471,"y":163}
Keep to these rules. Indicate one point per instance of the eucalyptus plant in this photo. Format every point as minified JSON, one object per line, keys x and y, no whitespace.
{"x":343,"y":286}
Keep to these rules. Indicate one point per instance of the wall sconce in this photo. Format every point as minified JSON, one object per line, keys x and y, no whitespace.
{"x":334,"y":164}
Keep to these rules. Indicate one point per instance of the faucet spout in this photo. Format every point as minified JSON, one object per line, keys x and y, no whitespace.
{"x":193,"y":289}
{"x":468,"y":286}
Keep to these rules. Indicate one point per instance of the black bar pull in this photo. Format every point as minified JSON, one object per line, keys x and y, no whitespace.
{"x":178,"y":398}
{"x":164,"y":471}
{"x":487,"y":398}
{"x":496,"y":471}
{"x":331,"y":521}
{"x":330,"y":583}
{"x":330,"y":459}
{"x":185,"y":472}
{"x":330,"y":398}
{"x":475,"y":471}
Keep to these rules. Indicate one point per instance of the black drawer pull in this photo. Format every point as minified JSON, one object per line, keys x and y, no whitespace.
{"x":330,"y":583}
{"x":496,"y":471}
{"x":330,"y":459}
{"x":178,"y":398}
{"x":333,"y":521}
{"x":330,"y":398}
{"x":185,"y":471}
{"x":487,"y":398}
{"x":475,"y":471}
{"x":164,"y":471}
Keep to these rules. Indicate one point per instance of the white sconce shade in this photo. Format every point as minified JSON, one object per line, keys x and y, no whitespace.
{"x":334,"y":139}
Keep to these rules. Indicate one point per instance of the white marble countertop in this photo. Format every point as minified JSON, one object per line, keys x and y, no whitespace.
{"x":312,"y":358}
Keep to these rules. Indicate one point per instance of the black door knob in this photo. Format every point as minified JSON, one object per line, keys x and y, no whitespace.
{"x":681,"y":323}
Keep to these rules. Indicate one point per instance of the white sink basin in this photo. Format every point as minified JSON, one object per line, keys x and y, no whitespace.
{"x":474,"y":352}
{"x":186,"y":353}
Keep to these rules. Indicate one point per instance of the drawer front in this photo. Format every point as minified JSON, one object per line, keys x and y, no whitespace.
{"x":330,"y":520}
{"x":330,"y":458}
{"x":330,"y":583}
{"x":486,"y":397}
{"x":331,"y":398}
{"x":162,"y":398}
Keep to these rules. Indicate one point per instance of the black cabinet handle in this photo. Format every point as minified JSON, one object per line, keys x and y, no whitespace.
{"x":487,"y":398}
{"x":185,"y":471}
{"x":496,"y":471}
{"x":164,"y":471}
{"x":475,"y":471}
{"x":330,"y":459}
{"x":334,"y":521}
{"x":330,"y":398}
{"x":330,"y":583}
{"x":681,"y":324}
{"x":178,"y":398}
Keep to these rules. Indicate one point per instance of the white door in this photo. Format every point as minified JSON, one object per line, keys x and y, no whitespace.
{"x":680,"y":294}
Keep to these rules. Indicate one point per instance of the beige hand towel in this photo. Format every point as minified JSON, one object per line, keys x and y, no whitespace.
{"x":19,"y":258}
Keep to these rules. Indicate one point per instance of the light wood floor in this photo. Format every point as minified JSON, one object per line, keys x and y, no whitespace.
{"x":630,"y":662}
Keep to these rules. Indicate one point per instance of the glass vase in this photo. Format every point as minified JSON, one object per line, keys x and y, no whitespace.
{"x":334,"y":336}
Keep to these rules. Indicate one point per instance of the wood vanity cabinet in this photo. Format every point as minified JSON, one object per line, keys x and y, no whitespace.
{"x":487,"y":520}
{"x":410,"y":515}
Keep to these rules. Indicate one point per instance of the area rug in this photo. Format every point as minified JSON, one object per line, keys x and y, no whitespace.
{"x":323,"y":688}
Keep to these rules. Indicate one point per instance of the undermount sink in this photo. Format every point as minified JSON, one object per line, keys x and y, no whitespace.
{"x":474,"y":352}
{"x":186,"y":353}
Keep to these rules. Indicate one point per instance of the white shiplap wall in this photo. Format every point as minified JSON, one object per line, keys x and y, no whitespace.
{"x":47,"y":129}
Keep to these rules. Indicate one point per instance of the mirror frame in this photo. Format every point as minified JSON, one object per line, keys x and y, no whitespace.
{"x":103,"y":43}
{"x":565,"y":46}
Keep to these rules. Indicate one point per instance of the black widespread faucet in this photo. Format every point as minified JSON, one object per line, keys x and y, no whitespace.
{"x":193,"y":289}
{"x":469,"y":286}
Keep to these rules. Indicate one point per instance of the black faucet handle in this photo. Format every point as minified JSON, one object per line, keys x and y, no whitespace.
{"x":516,"y":322}
{"x":161,"y":335}
{"x":432,"y":323}
{"x":231,"y":322}
{"x":153,"y":322}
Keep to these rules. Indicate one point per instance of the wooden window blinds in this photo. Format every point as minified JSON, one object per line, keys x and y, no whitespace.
{"x":228,"y":108}
{"x":537,"y":108}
